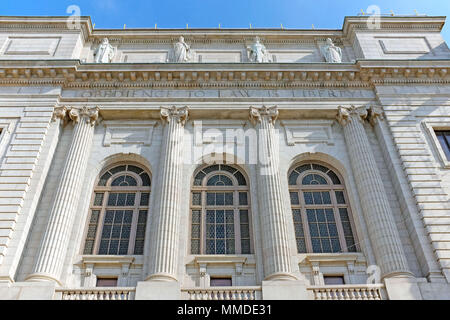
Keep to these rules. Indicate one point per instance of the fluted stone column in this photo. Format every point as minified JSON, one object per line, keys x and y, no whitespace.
{"x":377,"y":212}
{"x":54,"y":245}
{"x":272,"y":210}
{"x":164,"y":250}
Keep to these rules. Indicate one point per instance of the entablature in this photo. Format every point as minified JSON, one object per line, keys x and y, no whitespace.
{"x":363,"y":73}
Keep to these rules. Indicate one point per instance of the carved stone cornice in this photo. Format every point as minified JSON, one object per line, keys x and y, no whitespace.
{"x":180,"y":115}
{"x":88,"y":114}
{"x":256,"y":114}
{"x":364,"y":73}
{"x":347,"y":113}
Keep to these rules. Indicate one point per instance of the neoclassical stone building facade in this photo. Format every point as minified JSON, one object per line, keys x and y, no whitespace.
{"x":224,"y":163}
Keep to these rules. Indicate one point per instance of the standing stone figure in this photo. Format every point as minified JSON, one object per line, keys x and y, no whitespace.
{"x":105,"y":52}
{"x":182,"y":51}
{"x":258,"y":52}
{"x":332,"y":53}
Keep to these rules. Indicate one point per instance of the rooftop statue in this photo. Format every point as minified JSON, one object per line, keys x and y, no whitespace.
{"x":257,"y":52}
{"x":331,"y":53}
{"x":105,"y":52}
{"x":182,"y":51}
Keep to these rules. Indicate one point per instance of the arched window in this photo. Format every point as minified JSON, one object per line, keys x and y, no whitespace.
{"x":220,"y":211}
{"x":118,"y":211}
{"x":320,"y":210}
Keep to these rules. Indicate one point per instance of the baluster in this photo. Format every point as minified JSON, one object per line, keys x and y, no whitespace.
{"x":358,"y":293}
{"x":317,"y":294}
{"x":346,"y":295}
{"x":364,"y":294}
{"x":351,"y":293}
{"x":336,"y":294}
{"x":370,"y":294}
{"x":378,"y":294}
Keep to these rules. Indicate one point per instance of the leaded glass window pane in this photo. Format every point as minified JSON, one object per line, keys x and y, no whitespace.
{"x":199,"y":178}
{"x":293,"y":178}
{"x":221,"y":210}
{"x":219,"y":180}
{"x":196,"y":198}
{"x":104,"y":178}
{"x":145,"y":197}
{"x":243,"y":198}
{"x":98,"y":200}
{"x":91,"y":233}
{"x":334,"y":178}
{"x":322,"y":228}
{"x":347,"y":227}
{"x":245,"y":231}
{"x":140,"y":232}
{"x":117,"y":169}
{"x":124,"y":180}
{"x":122,"y":212}
{"x":240,"y":178}
{"x":340,"y":197}
{"x":116,"y":232}
{"x":299,"y":232}
{"x":294,"y":198}
{"x":195,"y":231}
{"x":145,"y":179}
{"x":321,"y":209}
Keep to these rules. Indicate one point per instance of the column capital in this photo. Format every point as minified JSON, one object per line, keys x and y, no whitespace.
{"x":60,"y":113}
{"x":256,"y":114}
{"x":375,"y":113}
{"x":346,"y":113}
{"x":180,"y":115}
{"x":89,"y":114}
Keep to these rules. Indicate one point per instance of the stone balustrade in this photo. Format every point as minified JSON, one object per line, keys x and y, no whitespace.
{"x":348,"y":292}
{"x":99,"y":293}
{"x":222,"y":293}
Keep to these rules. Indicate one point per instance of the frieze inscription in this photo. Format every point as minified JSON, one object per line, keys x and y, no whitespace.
{"x":219,"y":93}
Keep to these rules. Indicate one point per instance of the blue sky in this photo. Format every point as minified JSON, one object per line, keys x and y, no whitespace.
{"x":327,"y":14}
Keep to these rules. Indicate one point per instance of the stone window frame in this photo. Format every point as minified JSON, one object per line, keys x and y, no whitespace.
{"x":331,"y":187}
{"x":138,"y":190}
{"x":236,"y":188}
{"x":430,"y":128}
